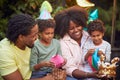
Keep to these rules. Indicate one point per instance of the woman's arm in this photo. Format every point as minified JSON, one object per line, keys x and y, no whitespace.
{"x":81,"y":74}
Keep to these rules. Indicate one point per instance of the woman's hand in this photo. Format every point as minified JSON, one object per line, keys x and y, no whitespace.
{"x":93,"y":75}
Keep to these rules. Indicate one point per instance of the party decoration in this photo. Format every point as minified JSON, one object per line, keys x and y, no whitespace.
{"x":93,"y":15}
{"x":45,"y":11}
{"x":90,"y":63}
{"x":107,"y":69}
{"x":93,"y":60}
{"x":57,"y":60}
{"x":45,"y":15}
{"x":85,"y":3}
{"x":85,"y":28}
{"x":46,"y":6}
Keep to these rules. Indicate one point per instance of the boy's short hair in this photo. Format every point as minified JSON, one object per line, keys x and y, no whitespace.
{"x":96,"y":25}
{"x":44,"y":24}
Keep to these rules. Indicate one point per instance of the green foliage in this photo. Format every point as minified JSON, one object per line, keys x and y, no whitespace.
{"x":2,"y":3}
{"x":118,"y":25}
{"x":108,"y":30}
{"x":10,"y":8}
{"x":106,"y":17}
{"x":3,"y":23}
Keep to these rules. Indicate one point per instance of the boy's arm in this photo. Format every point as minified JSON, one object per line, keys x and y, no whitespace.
{"x":43,"y":64}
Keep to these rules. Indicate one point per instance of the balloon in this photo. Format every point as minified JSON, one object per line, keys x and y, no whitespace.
{"x":84,"y":3}
{"x":57,"y":60}
{"x":93,"y":15}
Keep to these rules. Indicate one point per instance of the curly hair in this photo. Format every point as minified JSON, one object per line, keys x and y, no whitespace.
{"x":96,"y":25}
{"x":76,"y":14}
{"x":20,"y":24}
{"x":44,"y":24}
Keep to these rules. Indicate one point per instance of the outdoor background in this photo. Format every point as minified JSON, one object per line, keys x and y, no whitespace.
{"x":105,"y":8}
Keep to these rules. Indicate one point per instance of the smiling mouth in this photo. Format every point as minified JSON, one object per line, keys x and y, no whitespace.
{"x":97,"y":41}
{"x":77,"y":33}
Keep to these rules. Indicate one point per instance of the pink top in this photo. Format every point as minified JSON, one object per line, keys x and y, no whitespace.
{"x":73,"y":53}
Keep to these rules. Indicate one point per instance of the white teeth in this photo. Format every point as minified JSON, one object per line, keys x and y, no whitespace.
{"x":77,"y":33}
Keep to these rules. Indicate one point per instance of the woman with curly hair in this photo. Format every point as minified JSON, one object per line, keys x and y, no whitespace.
{"x":69,"y":26}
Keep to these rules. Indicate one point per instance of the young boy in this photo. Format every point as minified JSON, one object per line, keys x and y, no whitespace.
{"x":96,"y":31}
{"x":44,"y":48}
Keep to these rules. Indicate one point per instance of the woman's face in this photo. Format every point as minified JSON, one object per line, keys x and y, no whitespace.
{"x":75,"y":31}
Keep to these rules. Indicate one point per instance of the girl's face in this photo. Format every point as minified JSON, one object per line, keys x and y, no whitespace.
{"x":75,"y":31}
{"x":47,"y":35}
{"x":97,"y":37}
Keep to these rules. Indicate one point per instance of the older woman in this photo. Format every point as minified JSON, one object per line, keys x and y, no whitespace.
{"x":69,"y":26}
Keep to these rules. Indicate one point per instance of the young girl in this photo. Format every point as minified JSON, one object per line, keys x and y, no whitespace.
{"x":96,"y":31}
{"x":44,"y":48}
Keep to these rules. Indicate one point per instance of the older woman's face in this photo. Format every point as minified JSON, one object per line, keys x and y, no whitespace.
{"x":75,"y":31}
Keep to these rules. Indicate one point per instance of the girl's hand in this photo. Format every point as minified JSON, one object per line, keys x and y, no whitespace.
{"x":90,"y":52}
{"x":100,"y":53}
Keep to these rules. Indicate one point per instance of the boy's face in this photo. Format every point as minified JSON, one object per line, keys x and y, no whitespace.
{"x":97,"y":37}
{"x":47,"y":35}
